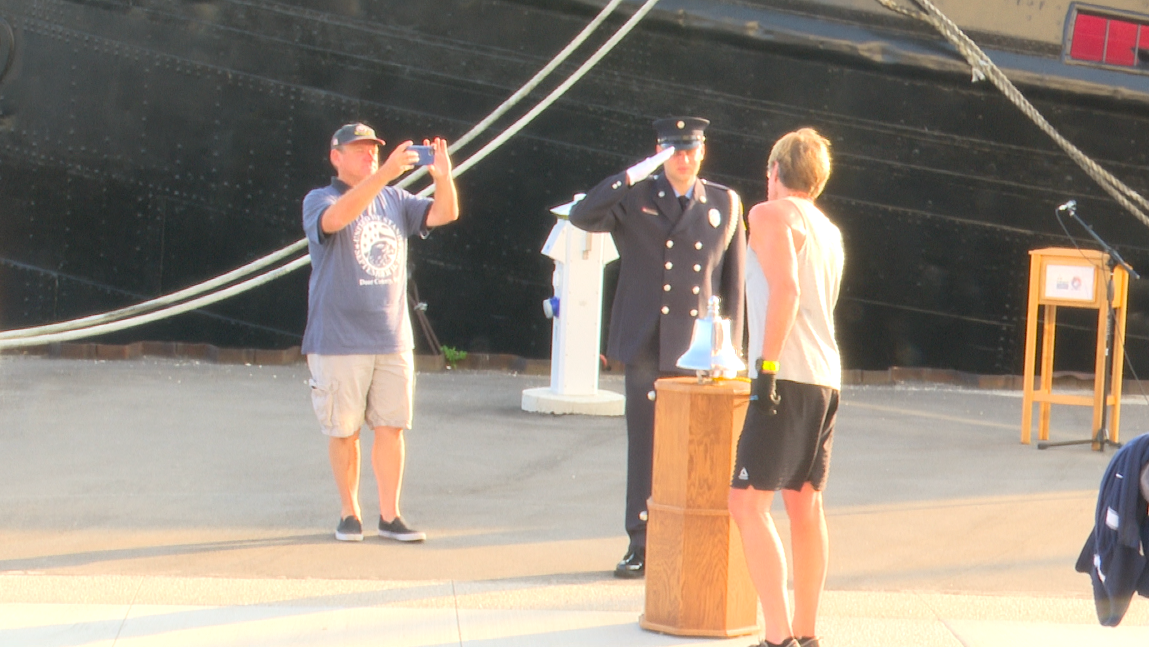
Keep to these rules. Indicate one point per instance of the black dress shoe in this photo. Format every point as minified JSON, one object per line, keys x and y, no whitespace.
{"x":633,"y":565}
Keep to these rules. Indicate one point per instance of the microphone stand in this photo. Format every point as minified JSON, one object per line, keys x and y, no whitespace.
{"x":1101,"y":435}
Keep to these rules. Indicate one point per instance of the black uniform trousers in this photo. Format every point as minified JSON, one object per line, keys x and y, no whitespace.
{"x":641,"y":373}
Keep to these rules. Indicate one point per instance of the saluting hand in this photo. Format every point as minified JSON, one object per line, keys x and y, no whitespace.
{"x":643,"y":169}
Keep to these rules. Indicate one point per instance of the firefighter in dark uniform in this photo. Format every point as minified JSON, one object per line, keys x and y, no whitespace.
{"x":680,"y":240}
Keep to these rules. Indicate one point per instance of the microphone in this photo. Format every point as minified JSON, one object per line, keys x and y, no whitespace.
{"x":1068,"y":206}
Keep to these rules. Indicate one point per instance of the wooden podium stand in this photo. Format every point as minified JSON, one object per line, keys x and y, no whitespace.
{"x":1074,"y":278}
{"x":697,"y":583}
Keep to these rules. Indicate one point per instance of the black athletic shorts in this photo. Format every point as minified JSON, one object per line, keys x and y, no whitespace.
{"x":791,"y":448}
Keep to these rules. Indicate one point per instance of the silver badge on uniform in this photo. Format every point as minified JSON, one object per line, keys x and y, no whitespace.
{"x":715,"y":217}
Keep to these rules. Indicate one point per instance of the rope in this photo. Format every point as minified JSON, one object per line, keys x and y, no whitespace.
{"x":559,"y":91}
{"x":523,"y":91}
{"x":83,"y":327}
{"x":160,"y":314}
{"x":984,"y":68}
{"x":146,"y":306}
{"x":300,"y":244}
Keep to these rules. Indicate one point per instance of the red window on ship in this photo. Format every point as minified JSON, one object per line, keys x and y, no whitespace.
{"x":1110,"y":41}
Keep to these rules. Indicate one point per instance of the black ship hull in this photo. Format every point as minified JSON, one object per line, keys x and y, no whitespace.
{"x":148,"y":146}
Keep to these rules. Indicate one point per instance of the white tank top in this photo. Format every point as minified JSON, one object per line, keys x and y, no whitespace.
{"x":810,"y":353}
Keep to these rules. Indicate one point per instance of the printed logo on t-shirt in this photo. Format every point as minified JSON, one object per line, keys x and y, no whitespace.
{"x":377,"y":249}
{"x":743,"y":476}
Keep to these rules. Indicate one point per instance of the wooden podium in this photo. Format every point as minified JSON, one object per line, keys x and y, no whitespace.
{"x":697,"y":583}
{"x":1076,"y":278}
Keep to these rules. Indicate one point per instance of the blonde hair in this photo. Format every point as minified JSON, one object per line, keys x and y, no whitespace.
{"x":803,"y":159}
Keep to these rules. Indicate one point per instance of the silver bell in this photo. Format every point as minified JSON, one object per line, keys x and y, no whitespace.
{"x":711,"y":353}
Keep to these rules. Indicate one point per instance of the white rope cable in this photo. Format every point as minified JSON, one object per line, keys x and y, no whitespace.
{"x":523,"y":91}
{"x":145,"y":306}
{"x":275,"y":256}
{"x":984,"y":68}
{"x":557,"y":92}
{"x":159,"y":314}
{"x":24,"y":337}
{"x":300,"y":244}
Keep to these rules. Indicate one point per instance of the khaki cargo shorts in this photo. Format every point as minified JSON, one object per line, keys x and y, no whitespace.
{"x":348,"y":390}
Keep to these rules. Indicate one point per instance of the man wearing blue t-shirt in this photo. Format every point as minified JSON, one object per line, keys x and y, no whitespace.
{"x":358,"y":339}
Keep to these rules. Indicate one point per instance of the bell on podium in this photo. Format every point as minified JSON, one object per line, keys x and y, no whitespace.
{"x":711,"y":354}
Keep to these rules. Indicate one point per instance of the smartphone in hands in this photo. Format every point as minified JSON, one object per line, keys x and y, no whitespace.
{"x":426,"y":155}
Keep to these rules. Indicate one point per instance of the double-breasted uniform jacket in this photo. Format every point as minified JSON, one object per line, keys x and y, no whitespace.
{"x":672,"y":260}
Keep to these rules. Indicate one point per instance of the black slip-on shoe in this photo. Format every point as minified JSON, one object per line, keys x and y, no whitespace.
{"x":399,"y":531}
{"x":633,"y":564}
{"x":349,"y":529}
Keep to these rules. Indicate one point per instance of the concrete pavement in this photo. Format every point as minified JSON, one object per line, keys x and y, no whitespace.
{"x":164,"y":502}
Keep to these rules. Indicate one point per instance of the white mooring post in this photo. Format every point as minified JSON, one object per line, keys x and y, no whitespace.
{"x":576,"y":312}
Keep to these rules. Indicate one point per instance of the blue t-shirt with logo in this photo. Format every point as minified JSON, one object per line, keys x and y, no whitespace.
{"x":357,"y":296}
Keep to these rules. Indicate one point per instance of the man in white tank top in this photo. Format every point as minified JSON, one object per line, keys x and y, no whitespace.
{"x":793,"y":275}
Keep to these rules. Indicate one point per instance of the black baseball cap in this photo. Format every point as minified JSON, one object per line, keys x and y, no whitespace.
{"x":354,"y":133}
{"x":683,"y":133}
